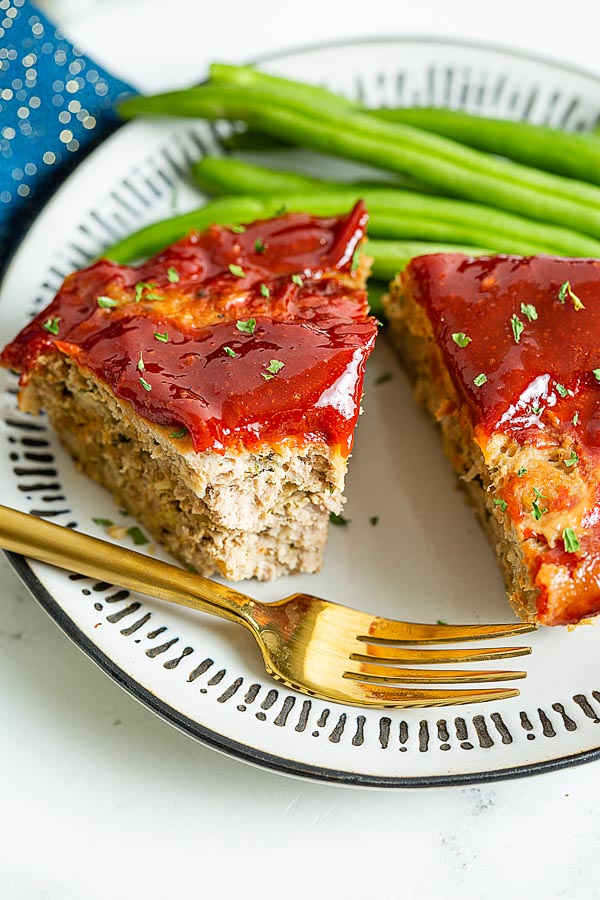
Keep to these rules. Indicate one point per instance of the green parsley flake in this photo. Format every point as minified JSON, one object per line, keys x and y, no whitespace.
{"x":297,"y":279}
{"x":381,"y":379}
{"x":179,"y":434}
{"x":138,"y":536}
{"x":162,"y":336}
{"x":265,"y":291}
{"x":460,"y":338}
{"x":51,"y":325}
{"x":538,"y":511}
{"x":596,"y":374}
{"x":247,"y":326}
{"x":529,"y":311}
{"x":236,"y":270}
{"x":522,"y":471}
{"x":147,"y":286}
{"x":517,"y":327}
{"x":575,"y":419}
{"x":106,"y":523}
{"x":562,"y":390}
{"x":140,"y":364}
{"x":144,"y":384}
{"x":229,"y":351}
{"x":106,"y":302}
{"x":536,"y":410}
{"x":259,"y":245}
{"x":572,"y":460}
{"x":374,"y":520}
{"x":441,"y":622}
{"x":237,"y":229}
{"x":500,"y":503}
{"x":336,"y":519}
{"x":355,"y":260}
{"x":479,"y":380}
{"x":172,"y":274}
{"x":571,"y":541}
{"x":275,"y":366}
{"x":565,"y":289}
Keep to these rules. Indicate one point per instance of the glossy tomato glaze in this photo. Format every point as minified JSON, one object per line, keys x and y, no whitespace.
{"x":239,"y":336}
{"x":539,"y":390}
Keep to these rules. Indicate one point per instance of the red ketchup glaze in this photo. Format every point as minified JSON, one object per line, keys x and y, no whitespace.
{"x":316,"y":326}
{"x":535,"y":387}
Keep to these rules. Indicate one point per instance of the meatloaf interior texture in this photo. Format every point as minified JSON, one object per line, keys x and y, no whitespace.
{"x":215,"y":389}
{"x":503,"y":354}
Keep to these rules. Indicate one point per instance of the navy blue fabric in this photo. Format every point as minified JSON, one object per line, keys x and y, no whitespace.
{"x":55,"y":106}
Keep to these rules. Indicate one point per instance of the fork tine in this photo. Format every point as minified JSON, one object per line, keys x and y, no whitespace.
{"x":417,"y":633}
{"x":410,"y":656}
{"x":368,"y":672}
{"x":381,"y":695}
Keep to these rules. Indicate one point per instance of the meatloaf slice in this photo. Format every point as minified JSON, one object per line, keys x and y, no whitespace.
{"x":215,"y":388}
{"x":504,"y":353}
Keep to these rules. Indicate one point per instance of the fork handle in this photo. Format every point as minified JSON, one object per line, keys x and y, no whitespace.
{"x":67,"y":549}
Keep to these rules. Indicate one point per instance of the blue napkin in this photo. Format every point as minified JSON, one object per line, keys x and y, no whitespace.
{"x":55,"y":106}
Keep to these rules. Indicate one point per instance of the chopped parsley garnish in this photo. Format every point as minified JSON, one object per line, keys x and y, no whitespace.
{"x":537,"y":511}
{"x":596,"y":374}
{"x":479,"y":380}
{"x":172,"y":274}
{"x":562,"y":390}
{"x":237,"y":229}
{"x":501,"y":503}
{"x":229,"y":351}
{"x":275,"y":366}
{"x":460,"y":338}
{"x":517,"y":327}
{"x":179,"y":434}
{"x":381,"y":379}
{"x":144,"y":384}
{"x":529,"y":311}
{"x":259,"y":245}
{"x":571,"y":541}
{"x":162,"y":336}
{"x":374,"y":520}
{"x":138,"y":535}
{"x":522,"y":471}
{"x":51,"y":325}
{"x":265,"y":290}
{"x":572,"y":460}
{"x":565,"y":289}
{"x":106,"y":302}
{"x":441,"y":622}
{"x":575,"y":419}
{"x":297,"y":279}
{"x":140,"y":363}
{"x":336,"y":519}
{"x":536,"y":410}
{"x":355,"y":260}
{"x":147,"y":286}
{"x":236,"y":270}
{"x":105,"y":522}
{"x":247,"y":326}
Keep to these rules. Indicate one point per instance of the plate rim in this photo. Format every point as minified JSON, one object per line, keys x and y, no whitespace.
{"x":207,"y":736}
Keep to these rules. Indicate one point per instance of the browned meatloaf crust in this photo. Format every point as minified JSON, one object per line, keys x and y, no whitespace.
{"x":204,"y":387}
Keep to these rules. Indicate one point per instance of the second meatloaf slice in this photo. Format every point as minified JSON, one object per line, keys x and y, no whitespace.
{"x":214,"y":389}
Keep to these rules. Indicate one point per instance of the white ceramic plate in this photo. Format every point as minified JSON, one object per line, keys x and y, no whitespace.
{"x":426,"y":559}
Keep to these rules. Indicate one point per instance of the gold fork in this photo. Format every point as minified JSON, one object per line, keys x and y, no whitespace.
{"x":314,"y":646}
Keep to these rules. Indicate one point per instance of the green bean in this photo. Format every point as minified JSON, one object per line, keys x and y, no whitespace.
{"x":398,"y":213}
{"x":433,"y":160}
{"x":572,"y":154}
{"x":390,"y":257}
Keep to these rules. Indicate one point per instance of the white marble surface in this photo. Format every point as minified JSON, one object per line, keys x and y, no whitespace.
{"x":100,"y":798}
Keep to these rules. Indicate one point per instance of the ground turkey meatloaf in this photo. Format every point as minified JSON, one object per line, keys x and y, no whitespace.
{"x":505,"y":353}
{"x":215,"y":388}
